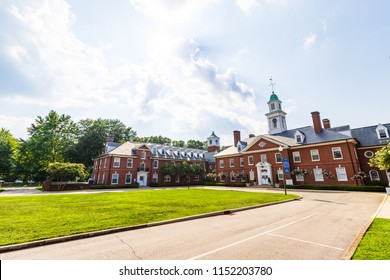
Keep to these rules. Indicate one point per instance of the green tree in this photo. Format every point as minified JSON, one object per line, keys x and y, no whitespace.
{"x":66,"y":171}
{"x":92,"y":136}
{"x":8,"y":152}
{"x":154,"y":139}
{"x":51,"y":138}
{"x":196,"y":144}
{"x":381,"y":158}
{"x":178,"y":143}
{"x":169,"y":169}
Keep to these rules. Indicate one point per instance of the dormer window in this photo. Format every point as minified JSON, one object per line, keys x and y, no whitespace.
{"x":382,"y":132}
{"x":239,"y":147}
{"x":154,"y":150}
{"x":163,"y":152}
{"x":299,"y":137}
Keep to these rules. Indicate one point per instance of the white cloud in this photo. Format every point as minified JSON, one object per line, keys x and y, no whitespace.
{"x":176,"y":90}
{"x":309,"y":41}
{"x":247,"y":5}
{"x":172,"y":11}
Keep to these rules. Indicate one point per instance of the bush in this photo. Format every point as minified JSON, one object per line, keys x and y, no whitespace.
{"x":128,"y":186}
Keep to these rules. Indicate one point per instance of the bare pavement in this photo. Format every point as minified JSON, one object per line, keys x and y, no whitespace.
{"x":323,"y":225}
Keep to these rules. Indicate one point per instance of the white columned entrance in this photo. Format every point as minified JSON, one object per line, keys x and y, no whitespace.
{"x":264,"y":173}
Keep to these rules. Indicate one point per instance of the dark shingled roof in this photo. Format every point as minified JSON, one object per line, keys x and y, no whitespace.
{"x":367,"y":136}
{"x":326,"y":135}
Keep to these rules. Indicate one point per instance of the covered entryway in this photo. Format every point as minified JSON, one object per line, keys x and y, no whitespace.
{"x":142,"y":178}
{"x":264,"y":173}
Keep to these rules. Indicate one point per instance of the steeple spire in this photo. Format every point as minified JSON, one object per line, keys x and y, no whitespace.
{"x":272,"y":84}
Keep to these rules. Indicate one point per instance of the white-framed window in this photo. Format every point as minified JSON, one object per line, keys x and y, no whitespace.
{"x":96,"y":163}
{"x":155,"y":178}
{"x":280,"y":174}
{"x":128,"y":178}
{"x":299,"y":137}
{"x":100,"y":163}
{"x":231,"y":162}
{"x":296,"y":156}
{"x":241,"y":161}
{"x":369,"y":154}
{"x":374,"y":175}
{"x":318,"y":175}
{"x":155,"y":164}
{"x":222,"y":178}
{"x":299,"y":177}
{"x":105,"y":162}
{"x":196,"y":178}
{"x":129,"y":162}
{"x":117,"y":162}
{"x":341,"y":173}
{"x":167,"y":178}
{"x":98,"y":180}
{"x":221,"y":163}
{"x":382,"y":131}
{"x":278,"y":157}
{"x":315,"y":155}
{"x":177,"y":178}
{"x":250,"y":160}
{"x":143,"y":155}
{"x":103,"y":177}
{"x":115,"y":179}
{"x":337,"y":154}
{"x":142,"y":167}
{"x":263,"y":158}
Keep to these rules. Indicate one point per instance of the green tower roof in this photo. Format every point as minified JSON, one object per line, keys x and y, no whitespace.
{"x":213,"y":135}
{"x":273,"y":97}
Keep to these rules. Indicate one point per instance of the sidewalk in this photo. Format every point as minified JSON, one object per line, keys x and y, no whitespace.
{"x":384,"y":212}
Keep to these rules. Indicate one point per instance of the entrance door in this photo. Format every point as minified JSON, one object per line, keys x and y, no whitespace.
{"x":142,"y":179}
{"x":264,"y":177}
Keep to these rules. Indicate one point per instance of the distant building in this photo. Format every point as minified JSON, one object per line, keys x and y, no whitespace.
{"x":129,"y":162}
{"x":315,"y":154}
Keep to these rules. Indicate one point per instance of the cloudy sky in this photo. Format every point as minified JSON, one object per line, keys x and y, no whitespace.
{"x":182,"y":69}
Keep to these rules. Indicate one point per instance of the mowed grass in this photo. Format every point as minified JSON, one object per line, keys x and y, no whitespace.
{"x":29,"y":218}
{"x":375,"y":244}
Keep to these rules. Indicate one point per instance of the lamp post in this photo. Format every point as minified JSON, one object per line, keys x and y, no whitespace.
{"x":284,"y":184}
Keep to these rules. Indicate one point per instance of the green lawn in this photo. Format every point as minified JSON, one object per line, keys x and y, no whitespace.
{"x":375,"y":244}
{"x":28,"y":218}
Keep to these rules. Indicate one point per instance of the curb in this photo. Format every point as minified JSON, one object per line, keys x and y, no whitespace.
{"x":352,"y":248}
{"x":49,"y":241}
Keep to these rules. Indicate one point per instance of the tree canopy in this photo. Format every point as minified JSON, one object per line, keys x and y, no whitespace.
{"x":382,"y":158}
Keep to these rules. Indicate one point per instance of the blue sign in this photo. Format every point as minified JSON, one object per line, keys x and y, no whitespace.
{"x":286,"y":166}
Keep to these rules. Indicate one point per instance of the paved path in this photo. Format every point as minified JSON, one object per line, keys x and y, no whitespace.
{"x":322,"y":225}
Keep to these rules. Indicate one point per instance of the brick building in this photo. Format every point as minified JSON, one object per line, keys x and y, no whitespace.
{"x":129,"y":163}
{"x":315,"y":154}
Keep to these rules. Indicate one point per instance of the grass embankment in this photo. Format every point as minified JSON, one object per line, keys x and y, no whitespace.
{"x":375,"y":244}
{"x":28,"y":218}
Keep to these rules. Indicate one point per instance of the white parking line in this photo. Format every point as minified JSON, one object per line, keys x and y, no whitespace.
{"x":304,"y":241}
{"x":249,"y":238}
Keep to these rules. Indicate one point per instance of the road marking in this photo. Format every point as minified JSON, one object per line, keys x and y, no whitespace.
{"x":304,"y":241}
{"x":249,"y":238}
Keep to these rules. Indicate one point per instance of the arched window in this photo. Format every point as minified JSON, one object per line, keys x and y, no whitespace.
{"x":274,"y":123}
{"x":374,"y":175}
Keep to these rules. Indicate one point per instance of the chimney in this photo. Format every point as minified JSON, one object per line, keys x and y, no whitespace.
{"x":326,"y":123}
{"x":316,"y":121}
{"x":237,"y":137}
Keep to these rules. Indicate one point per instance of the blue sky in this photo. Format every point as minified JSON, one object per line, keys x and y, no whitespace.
{"x":185,"y":68}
